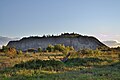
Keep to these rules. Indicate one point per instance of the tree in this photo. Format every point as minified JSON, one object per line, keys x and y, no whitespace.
{"x":40,"y":49}
{"x":50,"y":48}
{"x":5,"y":48}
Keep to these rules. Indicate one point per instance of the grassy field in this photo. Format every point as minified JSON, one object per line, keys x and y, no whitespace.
{"x":47,"y":66}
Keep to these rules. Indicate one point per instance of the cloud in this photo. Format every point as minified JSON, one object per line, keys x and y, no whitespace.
{"x":106,"y":37}
{"x":5,"y":40}
{"x":112,"y":43}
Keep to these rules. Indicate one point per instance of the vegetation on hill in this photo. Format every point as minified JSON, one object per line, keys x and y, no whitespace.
{"x":61,"y":35}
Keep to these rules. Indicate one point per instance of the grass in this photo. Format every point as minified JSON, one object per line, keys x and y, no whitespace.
{"x":41,"y":67}
{"x":109,"y":72}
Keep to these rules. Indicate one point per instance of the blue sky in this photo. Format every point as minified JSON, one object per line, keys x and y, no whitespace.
{"x":100,"y":18}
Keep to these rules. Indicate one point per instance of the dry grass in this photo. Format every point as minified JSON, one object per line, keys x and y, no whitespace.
{"x":87,"y":67}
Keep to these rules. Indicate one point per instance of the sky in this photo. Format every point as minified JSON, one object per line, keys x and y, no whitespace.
{"x":99,"y":18}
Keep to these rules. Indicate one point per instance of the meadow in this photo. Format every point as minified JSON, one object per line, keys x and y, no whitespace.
{"x":80,"y":65}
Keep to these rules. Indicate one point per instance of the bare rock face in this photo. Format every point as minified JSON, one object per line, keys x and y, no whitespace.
{"x":75,"y":40}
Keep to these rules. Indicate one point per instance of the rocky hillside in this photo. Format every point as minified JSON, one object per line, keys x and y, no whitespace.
{"x":75,"y":40}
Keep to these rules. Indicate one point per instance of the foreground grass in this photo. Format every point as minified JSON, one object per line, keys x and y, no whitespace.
{"x":110,"y":72}
{"x":105,"y":67}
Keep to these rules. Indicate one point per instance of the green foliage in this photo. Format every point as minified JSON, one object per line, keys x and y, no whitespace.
{"x":69,"y":35}
{"x":39,"y":49}
{"x":59,"y":47}
{"x":45,"y":64}
{"x":82,"y":61}
{"x":5,"y":48}
{"x":109,"y":72}
{"x":117,"y":65}
{"x":50,"y":48}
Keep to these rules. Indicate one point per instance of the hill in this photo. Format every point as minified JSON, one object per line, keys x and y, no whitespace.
{"x":68,"y":39}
